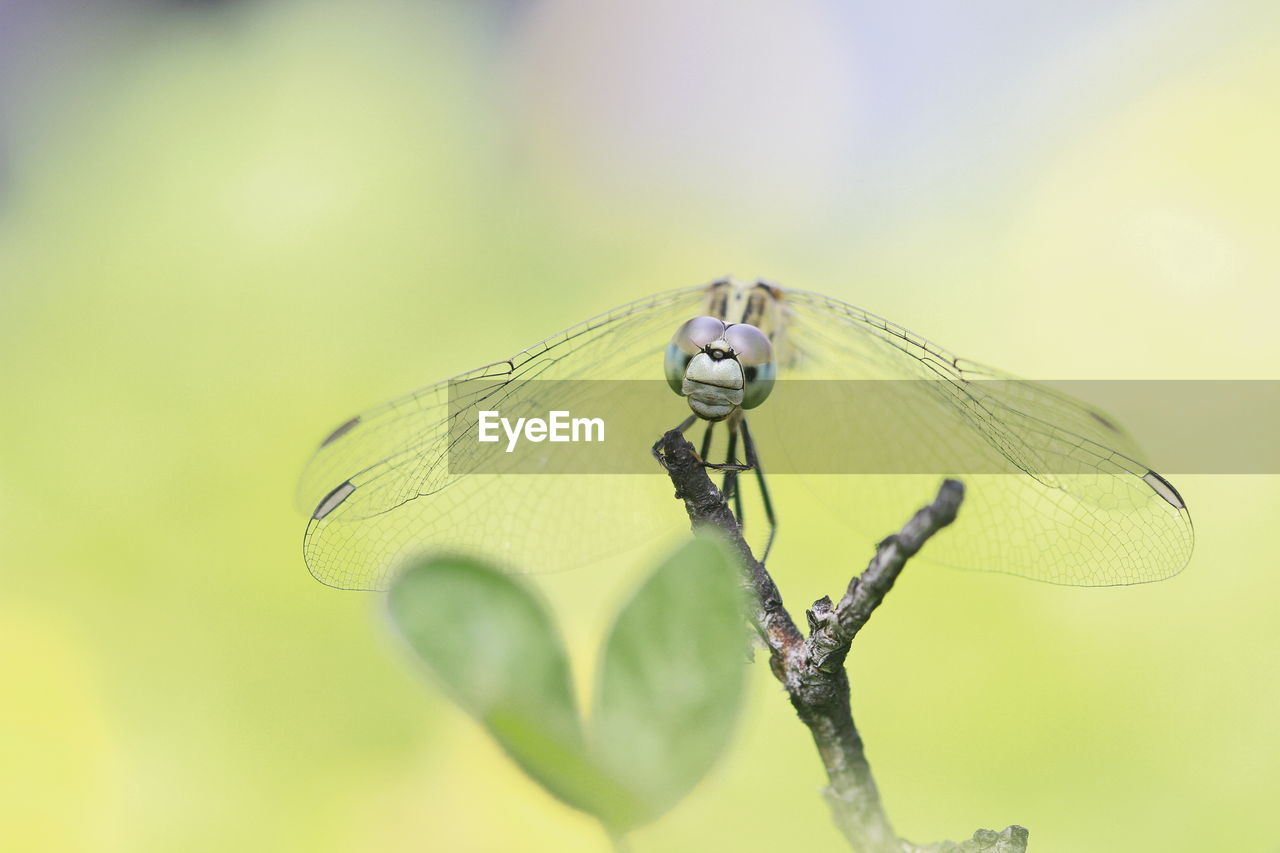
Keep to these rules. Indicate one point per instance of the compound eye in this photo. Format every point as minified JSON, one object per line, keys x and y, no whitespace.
{"x":675,"y":363}
{"x":749,"y":344}
{"x":759,"y":382}
{"x":697,"y":333}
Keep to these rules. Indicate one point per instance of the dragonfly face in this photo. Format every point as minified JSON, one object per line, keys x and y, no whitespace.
{"x":720,"y":368}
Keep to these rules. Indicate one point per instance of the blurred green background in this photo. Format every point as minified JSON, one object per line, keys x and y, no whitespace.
{"x":224,"y":227}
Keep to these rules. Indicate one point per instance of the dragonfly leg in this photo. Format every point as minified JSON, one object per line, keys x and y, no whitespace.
{"x":753,"y":461}
{"x":731,"y":465}
{"x":706,"y":440}
{"x":731,"y":468}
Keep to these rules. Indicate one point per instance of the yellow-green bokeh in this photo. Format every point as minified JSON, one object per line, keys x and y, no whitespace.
{"x":223,"y":231}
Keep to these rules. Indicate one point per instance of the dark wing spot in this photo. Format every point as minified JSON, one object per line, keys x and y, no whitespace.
{"x":1164,"y":489}
{"x":341,"y":431}
{"x":1100,"y":418}
{"x":332,"y":500}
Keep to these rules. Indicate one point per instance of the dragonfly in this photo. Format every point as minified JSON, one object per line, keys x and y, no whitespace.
{"x":1078,"y":508}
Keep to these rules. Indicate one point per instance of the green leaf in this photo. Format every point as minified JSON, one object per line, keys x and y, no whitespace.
{"x":493,"y":646}
{"x":671,"y":680}
{"x":669,"y":688}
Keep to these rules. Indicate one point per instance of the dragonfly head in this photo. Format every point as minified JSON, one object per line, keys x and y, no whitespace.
{"x":720,"y":368}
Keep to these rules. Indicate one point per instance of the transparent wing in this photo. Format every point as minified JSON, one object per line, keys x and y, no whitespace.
{"x":1083,"y":511}
{"x":379,"y":487}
